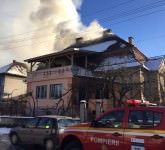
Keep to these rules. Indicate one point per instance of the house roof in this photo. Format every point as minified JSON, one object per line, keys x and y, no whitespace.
{"x":100,"y":47}
{"x":120,"y":52}
{"x":57,"y":54}
{"x":100,"y":44}
{"x":86,"y":47}
{"x":15,"y":68}
{"x":118,"y":62}
{"x":4,"y":69}
{"x":153,"y":64}
{"x":113,"y":63}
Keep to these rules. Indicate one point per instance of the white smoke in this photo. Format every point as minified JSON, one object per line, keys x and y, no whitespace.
{"x":55,"y":24}
{"x":61,"y":17}
{"x":14,"y":20}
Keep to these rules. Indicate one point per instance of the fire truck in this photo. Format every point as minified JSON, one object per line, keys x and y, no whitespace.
{"x":138,"y":126}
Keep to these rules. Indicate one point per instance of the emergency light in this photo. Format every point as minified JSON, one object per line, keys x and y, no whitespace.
{"x":135,"y":102}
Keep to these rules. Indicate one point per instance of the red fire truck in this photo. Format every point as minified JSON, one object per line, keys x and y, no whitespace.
{"x":138,"y":126}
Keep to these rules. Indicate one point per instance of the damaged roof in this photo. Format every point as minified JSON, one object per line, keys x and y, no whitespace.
{"x":95,"y":45}
{"x":116,"y":52}
{"x":101,"y":44}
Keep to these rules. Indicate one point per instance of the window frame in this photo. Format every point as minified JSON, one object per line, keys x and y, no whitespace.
{"x":143,"y":124}
{"x":55,"y":91}
{"x":45,"y":123}
{"x":32,"y":123}
{"x":109,"y":123}
{"x":41,"y":91}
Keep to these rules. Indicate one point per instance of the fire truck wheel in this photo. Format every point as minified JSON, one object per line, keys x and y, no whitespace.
{"x":73,"y":146}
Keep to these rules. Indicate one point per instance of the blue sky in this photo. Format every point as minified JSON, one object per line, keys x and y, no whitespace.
{"x":145,"y":24}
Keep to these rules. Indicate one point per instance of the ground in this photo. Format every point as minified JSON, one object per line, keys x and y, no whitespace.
{"x":6,"y":145}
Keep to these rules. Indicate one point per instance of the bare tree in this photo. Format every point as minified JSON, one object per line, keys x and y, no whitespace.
{"x":120,"y":85}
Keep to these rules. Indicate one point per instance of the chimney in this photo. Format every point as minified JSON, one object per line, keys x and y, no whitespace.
{"x":79,"y":40}
{"x":107,"y":32}
{"x":131,"y":40}
{"x":14,"y":61}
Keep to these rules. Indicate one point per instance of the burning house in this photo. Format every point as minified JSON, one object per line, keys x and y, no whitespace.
{"x":85,"y":71}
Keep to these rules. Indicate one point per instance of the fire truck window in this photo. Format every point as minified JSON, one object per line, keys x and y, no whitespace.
{"x":142,"y":119}
{"x":111,"y":120}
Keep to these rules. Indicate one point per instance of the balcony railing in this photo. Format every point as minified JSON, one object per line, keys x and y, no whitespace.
{"x":57,"y":73}
{"x":79,"y":71}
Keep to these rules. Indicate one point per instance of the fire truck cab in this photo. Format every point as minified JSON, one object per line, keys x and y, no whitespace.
{"x":133,"y":127}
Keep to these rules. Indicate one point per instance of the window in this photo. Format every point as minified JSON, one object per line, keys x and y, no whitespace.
{"x":111,"y":120}
{"x":41,"y":91}
{"x":143,"y":119}
{"x":32,"y":123}
{"x":55,"y":91}
{"x":66,"y":122}
{"x":45,"y":123}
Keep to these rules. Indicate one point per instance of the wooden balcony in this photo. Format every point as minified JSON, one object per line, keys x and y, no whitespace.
{"x":57,"y":73}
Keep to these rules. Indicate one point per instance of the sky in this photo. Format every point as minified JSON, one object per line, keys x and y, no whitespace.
{"x":31,"y":28}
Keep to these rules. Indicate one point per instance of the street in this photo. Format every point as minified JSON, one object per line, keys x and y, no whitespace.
{"x":6,"y":145}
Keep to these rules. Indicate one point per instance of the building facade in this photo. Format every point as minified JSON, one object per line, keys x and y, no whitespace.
{"x":13,"y":88}
{"x":13,"y":80}
{"x":107,"y":68}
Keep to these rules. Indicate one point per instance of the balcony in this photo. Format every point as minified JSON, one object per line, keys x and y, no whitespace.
{"x":58,"y":73}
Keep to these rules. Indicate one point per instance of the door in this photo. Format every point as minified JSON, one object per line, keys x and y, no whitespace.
{"x":106,"y":133}
{"x":142,"y":130}
{"x":26,"y":133}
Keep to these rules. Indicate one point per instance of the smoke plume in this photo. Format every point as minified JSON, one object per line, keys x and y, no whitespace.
{"x":48,"y":26}
{"x":61,"y":18}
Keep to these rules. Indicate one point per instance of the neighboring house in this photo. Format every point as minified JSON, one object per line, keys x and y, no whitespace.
{"x":59,"y":81}
{"x":13,"y":80}
{"x":154,"y":77}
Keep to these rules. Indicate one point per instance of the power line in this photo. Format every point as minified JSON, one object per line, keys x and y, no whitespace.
{"x":123,"y":14}
{"x":27,"y":45}
{"x":134,"y":11}
{"x":138,"y":16}
{"x":57,"y":38}
{"x":87,"y":16}
{"x":26,"y":39}
{"x":32,"y":31}
{"x":108,"y":8}
{"x":126,"y":13}
{"x":151,"y":38}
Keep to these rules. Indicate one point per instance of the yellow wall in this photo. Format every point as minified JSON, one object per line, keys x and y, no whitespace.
{"x":14,"y":86}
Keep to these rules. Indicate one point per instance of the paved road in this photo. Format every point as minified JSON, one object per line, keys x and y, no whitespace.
{"x":6,"y":145}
